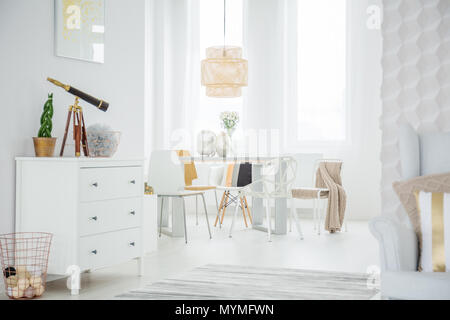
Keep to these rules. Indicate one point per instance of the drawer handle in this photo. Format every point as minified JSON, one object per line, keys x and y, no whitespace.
{"x":93,"y":218}
{"x":94,"y":251}
{"x":133,"y":181}
{"x":132,"y":244}
{"x":133,"y":213}
{"x":95,"y":184}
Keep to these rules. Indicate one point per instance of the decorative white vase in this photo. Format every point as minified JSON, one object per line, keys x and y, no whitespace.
{"x":230,"y":135}
{"x":223,"y":145}
{"x":206,"y":143}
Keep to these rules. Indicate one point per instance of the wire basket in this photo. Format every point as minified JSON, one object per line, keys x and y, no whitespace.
{"x":24,"y":258}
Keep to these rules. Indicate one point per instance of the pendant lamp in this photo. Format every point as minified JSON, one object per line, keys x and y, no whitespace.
{"x":224,"y":72}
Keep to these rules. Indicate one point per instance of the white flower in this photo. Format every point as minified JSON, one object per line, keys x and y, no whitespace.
{"x":229,"y":120}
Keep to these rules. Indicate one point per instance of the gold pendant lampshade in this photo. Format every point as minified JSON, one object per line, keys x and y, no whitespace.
{"x":224,"y":72}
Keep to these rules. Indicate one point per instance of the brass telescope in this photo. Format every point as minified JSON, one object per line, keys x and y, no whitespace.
{"x":76,"y":114}
{"x":100,"y":104}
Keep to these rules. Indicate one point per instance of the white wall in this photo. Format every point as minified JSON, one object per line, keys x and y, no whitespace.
{"x":416,"y":80}
{"x":27,"y":58}
{"x":362,"y":166}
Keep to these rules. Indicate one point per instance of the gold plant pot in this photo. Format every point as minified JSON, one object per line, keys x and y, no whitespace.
{"x":44,"y":147}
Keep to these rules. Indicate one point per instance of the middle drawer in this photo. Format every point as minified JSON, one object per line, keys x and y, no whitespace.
{"x":109,"y":215}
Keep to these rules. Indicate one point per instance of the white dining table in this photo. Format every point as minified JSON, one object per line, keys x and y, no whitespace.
{"x":257,"y":209}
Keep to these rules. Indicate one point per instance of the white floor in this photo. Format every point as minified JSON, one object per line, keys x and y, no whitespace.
{"x":352,"y":251}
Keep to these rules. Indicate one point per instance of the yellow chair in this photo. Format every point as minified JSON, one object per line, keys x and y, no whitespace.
{"x":190,"y":174}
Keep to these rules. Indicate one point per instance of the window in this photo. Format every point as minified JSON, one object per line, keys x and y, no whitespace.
{"x":322,"y":66}
{"x":211,"y":34}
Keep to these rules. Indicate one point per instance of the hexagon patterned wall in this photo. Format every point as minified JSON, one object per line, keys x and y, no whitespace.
{"x":416,"y":79}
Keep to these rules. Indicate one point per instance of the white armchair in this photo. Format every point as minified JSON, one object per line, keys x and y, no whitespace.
{"x":399,"y":254}
{"x":398,"y":244}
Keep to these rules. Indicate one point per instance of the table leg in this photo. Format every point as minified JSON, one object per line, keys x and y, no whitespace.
{"x":176,"y":214}
{"x":257,"y":203}
{"x":165,"y":215}
{"x":281,"y":210}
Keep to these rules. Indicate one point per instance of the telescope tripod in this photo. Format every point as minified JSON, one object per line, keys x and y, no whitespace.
{"x":79,"y":130}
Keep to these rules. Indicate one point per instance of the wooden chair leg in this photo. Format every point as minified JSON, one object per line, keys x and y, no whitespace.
{"x":220,"y":209}
{"x":224,"y":207}
{"x":243,"y":211}
{"x":248,"y":210}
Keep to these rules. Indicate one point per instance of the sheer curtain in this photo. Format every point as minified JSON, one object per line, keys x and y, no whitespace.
{"x":180,"y":31}
{"x":179,"y":108}
{"x":296,"y":104}
{"x":272,"y":53}
{"x":174,"y":63}
{"x":174,"y":95}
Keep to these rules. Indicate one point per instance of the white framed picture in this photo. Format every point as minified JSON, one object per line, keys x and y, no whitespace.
{"x":80,"y":29}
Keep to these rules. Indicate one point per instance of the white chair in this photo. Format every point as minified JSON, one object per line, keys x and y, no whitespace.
{"x":315,"y":194}
{"x":272,"y":185}
{"x":305,"y":178}
{"x":166,"y":175}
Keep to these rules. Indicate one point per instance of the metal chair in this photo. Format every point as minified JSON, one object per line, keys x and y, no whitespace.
{"x":166,"y":175}
{"x":272,"y":185}
{"x":315,"y":194}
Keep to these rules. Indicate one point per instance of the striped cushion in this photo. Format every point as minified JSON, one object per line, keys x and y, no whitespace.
{"x":434,"y":213}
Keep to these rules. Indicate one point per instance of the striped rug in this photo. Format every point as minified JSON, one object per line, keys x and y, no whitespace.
{"x":226,"y":282}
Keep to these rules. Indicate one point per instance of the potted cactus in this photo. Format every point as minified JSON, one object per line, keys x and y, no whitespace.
{"x":44,"y":144}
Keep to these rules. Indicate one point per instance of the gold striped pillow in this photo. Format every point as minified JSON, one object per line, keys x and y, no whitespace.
{"x":434,"y":213}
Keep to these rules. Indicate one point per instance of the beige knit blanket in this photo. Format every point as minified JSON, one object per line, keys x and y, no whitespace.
{"x":329,"y":176}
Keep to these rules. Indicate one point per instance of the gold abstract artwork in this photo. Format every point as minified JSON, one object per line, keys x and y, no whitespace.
{"x":80,"y":28}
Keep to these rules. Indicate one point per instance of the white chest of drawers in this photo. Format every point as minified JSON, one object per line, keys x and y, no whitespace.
{"x":93,"y":207}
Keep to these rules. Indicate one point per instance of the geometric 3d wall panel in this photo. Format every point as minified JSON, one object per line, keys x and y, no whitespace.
{"x":416,"y":79}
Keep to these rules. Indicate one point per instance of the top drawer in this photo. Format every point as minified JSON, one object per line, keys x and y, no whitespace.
{"x":110,"y":183}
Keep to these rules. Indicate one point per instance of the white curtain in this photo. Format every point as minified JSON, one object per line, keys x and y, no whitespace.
{"x":272,"y":53}
{"x":269,"y":36}
{"x":174,"y":68}
{"x":175,"y":61}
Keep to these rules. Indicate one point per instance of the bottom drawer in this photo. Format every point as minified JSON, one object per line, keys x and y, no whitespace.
{"x":110,"y":248}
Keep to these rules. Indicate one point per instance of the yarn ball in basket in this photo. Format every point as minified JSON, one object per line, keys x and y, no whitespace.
{"x":17,"y":293}
{"x":23,"y":283}
{"x":35,"y":282}
{"x":22,"y":272}
{"x":9,"y":271}
{"x":29,"y":292}
{"x":39,"y":290}
{"x":11,"y":281}
{"x":102,"y":140}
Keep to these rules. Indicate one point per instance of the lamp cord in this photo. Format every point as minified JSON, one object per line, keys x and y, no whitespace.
{"x":224,"y":24}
